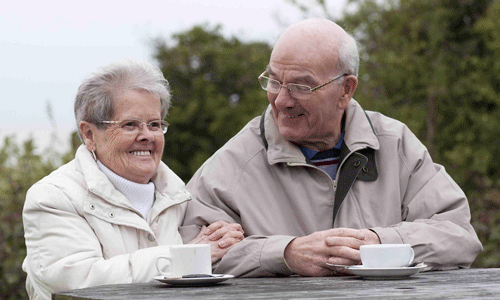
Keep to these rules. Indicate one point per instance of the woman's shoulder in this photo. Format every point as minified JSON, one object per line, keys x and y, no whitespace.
{"x":62,"y":182}
{"x":67,"y":172}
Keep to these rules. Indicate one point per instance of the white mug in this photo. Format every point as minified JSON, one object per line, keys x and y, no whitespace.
{"x":386,"y":255}
{"x":185,"y":260}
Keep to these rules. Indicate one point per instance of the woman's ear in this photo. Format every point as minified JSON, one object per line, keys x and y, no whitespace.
{"x":87,"y":130}
{"x":349,"y":85}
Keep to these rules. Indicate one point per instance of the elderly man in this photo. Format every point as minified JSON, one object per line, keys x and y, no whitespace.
{"x":316,"y":176}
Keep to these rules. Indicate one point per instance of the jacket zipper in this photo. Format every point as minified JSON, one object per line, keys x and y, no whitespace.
{"x":334,"y":182}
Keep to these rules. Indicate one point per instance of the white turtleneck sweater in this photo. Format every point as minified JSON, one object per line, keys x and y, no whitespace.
{"x":142,"y":196}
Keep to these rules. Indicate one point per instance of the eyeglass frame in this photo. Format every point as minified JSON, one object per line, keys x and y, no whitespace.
{"x":296,"y":84}
{"x":163,"y":124}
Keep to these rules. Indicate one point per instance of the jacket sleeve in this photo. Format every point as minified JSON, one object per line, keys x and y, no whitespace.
{"x":434,"y":211}
{"x":256,"y":255}
{"x":64,"y":253}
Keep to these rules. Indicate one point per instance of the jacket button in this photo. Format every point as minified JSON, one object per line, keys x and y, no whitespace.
{"x":365,"y":169}
{"x":151,"y":237}
{"x":92,"y":207}
{"x":111,"y":215}
{"x":357,"y":163}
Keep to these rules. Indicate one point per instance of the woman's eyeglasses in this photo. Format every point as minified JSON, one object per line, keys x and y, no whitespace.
{"x":134,"y":126}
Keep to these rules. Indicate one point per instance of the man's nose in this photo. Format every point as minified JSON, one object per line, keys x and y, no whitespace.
{"x":283,"y":98}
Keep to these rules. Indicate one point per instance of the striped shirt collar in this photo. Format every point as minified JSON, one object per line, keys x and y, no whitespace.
{"x":329,"y":153}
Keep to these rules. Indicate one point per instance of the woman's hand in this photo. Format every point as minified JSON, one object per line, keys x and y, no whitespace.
{"x":221,"y":235}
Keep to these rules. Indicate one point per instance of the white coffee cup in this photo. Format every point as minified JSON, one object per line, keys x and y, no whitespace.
{"x":185,"y":260}
{"x":386,"y":255}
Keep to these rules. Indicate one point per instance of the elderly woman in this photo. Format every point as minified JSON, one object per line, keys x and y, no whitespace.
{"x":106,"y":216}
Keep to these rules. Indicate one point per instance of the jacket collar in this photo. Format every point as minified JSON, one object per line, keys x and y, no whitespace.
{"x":278,"y":148}
{"x":169,"y":188}
{"x":359,"y":130}
{"x":359,"y":134}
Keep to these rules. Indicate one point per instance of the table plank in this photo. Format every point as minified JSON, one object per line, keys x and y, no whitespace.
{"x":456,"y":284}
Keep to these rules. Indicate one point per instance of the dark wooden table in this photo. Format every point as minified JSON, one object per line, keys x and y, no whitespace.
{"x":456,"y":284}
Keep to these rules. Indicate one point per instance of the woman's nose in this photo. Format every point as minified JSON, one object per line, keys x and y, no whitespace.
{"x":145,"y":134}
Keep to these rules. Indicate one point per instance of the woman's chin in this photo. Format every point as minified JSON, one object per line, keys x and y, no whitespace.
{"x":141,"y":172}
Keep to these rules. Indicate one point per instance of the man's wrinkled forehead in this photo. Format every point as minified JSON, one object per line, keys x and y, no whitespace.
{"x":298,"y":60}
{"x":315,"y":53}
{"x":297,"y":76}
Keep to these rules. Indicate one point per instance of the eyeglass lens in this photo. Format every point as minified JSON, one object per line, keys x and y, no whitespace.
{"x":135,"y":125}
{"x":274,"y":86}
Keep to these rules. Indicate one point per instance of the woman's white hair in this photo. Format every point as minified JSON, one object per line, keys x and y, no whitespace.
{"x":94,"y":100}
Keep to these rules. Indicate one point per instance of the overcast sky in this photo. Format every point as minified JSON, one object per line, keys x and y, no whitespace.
{"x":48,"y":47}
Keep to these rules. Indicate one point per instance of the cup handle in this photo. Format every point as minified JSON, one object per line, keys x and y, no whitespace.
{"x":412,"y":256}
{"x":166,"y":274}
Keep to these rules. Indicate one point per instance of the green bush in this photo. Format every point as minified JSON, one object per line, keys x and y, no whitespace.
{"x":20,"y":168}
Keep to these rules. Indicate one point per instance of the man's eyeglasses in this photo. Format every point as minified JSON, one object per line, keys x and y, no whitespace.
{"x":134,"y":126}
{"x":296,"y":90}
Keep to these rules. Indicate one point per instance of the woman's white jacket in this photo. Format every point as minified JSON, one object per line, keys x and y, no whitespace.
{"x":80,"y":231}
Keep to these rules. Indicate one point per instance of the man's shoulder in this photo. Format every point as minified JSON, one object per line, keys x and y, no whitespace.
{"x":241,"y":148}
{"x":392,"y":133}
{"x":247,"y":141}
{"x":384,"y":125}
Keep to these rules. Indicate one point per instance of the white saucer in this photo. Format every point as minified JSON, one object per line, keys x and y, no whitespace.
{"x":196,"y":281}
{"x":385,"y":273}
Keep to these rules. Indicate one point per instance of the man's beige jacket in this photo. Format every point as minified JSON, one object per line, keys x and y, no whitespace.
{"x":386,"y":182}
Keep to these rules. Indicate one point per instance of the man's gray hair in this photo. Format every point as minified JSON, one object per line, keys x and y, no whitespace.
{"x":348,"y":55}
{"x":94,"y":100}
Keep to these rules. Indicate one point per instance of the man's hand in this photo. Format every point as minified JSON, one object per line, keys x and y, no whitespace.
{"x":221,"y":236}
{"x":309,"y":254}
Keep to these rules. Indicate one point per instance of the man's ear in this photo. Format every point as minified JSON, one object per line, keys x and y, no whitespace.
{"x":87,"y":130}
{"x":349,"y":85}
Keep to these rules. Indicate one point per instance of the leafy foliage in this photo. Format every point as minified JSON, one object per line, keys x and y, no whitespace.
{"x":19,"y":169}
{"x":215,"y":93}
